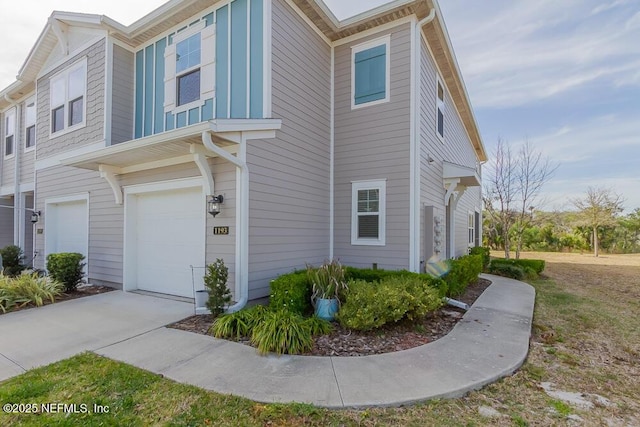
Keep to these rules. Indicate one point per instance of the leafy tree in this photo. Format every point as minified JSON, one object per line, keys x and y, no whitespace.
{"x":598,"y":209}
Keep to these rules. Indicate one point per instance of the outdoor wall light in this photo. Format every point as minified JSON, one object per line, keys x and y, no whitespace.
{"x":213,"y":205}
{"x":35,"y":216}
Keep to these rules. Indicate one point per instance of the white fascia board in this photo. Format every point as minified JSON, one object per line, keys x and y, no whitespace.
{"x":244,"y":125}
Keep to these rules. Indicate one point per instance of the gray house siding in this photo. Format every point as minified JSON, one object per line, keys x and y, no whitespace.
{"x":289,"y":189}
{"x":456,"y":148}
{"x":28,"y":232}
{"x":6,"y":222}
{"x":106,"y":218}
{"x":93,"y":132}
{"x":122,"y":96}
{"x":372,"y":143}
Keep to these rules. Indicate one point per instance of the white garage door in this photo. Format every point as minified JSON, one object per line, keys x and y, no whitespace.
{"x":66,"y":227}
{"x":169,"y":234}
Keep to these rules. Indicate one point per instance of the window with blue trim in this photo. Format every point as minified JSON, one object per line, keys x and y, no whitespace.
{"x":370,"y":72}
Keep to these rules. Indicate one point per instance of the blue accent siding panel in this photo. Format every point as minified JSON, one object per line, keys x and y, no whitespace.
{"x":170,"y":121}
{"x":139,"y":93}
{"x":207,"y":110}
{"x":256,"y":67}
{"x":208,"y":19}
{"x":148,"y":90}
{"x":194,"y":116}
{"x":370,"y":74}
{"x":181,"y":119}
{"x":239,"y":59}
{"x":222,"y":70}
{"x":159,"y":83}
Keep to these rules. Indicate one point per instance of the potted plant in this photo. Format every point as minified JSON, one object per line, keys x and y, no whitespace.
{"x":328,"y":284}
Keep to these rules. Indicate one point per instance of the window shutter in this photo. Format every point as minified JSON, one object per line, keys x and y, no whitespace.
{"x":208,"y":63}
{"x":370,"y":74}
{"x":170,"y":78}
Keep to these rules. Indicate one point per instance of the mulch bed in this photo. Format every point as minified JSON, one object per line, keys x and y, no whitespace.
{"x":402,"y":335}
{"x":84,"y":291}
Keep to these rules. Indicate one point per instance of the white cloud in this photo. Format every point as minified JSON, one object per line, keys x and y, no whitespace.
{"x":516,"y":53}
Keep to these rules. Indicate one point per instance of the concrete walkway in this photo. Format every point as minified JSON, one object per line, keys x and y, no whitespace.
{"x":490,"y":342}
{"x":35,"y":337}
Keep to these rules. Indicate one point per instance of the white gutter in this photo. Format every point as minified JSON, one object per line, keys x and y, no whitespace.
{"x":428,"y":18}
{"x":242,"y":216}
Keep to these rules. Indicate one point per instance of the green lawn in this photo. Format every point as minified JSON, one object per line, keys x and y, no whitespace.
{"x":583,"y":342}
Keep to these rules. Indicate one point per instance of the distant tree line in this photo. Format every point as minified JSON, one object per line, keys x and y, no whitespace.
{"x":569,"y":231}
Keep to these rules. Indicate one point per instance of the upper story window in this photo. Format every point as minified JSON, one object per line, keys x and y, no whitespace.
{"x":368,"y":213}
{"x":440,"y":109}
{"x":30,"y":125}
{"x":9,"y":132}
{"x":370,"y":72}
{"x":188,"y":70}
{"x":68,"y":91}
{"x":472,"y":228}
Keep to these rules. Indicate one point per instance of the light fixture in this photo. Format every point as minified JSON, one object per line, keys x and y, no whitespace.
{"x":213,"y":205}
{"x":35,"y":216}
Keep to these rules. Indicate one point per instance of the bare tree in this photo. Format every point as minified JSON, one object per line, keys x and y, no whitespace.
{"x":598,"y":208}
{"x":501,"y":190}
{"x":533,"y":171}
{"x":513,"y":189}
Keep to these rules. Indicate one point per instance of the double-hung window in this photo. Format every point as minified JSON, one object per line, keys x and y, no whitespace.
{"x":9,"y":132}
{"x":188,"y":70}
{"x":67,"y":98}
{"x":30,"y":125}
{"x":368,"y":213}
{"x":472,"y":228}
{"x":440,"y":109}
{"x":370,"y":69}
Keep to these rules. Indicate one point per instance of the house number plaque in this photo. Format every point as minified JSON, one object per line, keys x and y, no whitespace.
{"x":220,"y":231}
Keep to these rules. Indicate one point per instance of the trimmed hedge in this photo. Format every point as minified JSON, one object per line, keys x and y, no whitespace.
{"x":66,"y":268}
{"x":12,"y":258}
{"x":462,"y":272}
{"x":369,"y":275}
{"x":531,"y":267}
{"x":370,"y":305}
{"x":291,"y":292}
{"x":506,"y":270}
{"x":485,"y":253}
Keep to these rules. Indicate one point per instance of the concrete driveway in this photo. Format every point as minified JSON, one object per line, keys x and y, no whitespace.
{"x":36,"y":337}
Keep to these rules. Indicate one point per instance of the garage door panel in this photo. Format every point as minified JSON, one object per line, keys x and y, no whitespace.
{"x":169,"y":238}
{"x":67,"y":227}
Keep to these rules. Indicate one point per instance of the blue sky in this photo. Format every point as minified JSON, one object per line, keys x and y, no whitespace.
{"x":563,"y":74}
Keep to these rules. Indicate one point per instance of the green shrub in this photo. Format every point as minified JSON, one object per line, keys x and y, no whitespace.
{"x":12,"y":258}
{"x":485,"y":253}
{"x":536,"y":265}
{"x":66,"y":268}
{"x":291,"y":292}
{"x":369,"y":275}
{"x":281,"y":332}
{"x":370,"y":305}
{"x":506,"y":270}
{"x":318,"y":326}
{"x":216,"y":282}
{"x":462,"y":272}
{"x":27,"y":288}
{"x":238,"y":324}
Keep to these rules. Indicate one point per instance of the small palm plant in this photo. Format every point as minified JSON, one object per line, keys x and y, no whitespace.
{"x":328,"y":286}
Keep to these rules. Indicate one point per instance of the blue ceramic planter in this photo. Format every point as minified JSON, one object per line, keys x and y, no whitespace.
{"x":326,"y":309}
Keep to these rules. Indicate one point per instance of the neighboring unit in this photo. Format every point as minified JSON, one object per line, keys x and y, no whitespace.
{"x":348,"y":139}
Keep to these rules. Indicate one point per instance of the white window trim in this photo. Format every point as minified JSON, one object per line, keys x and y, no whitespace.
{"x":27,"y":124}
{"x":385,"y":40}
{"x":471,"y":226}
{"x":440,"y":104}
{"x":82,"y":63}
{"x":9,"y":113}
{"x":177,"y":38}
{"x":378,"y":184}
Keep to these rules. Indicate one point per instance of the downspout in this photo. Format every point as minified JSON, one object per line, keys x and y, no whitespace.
{"x":428,"y":18}
{"x":242,"y":217}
